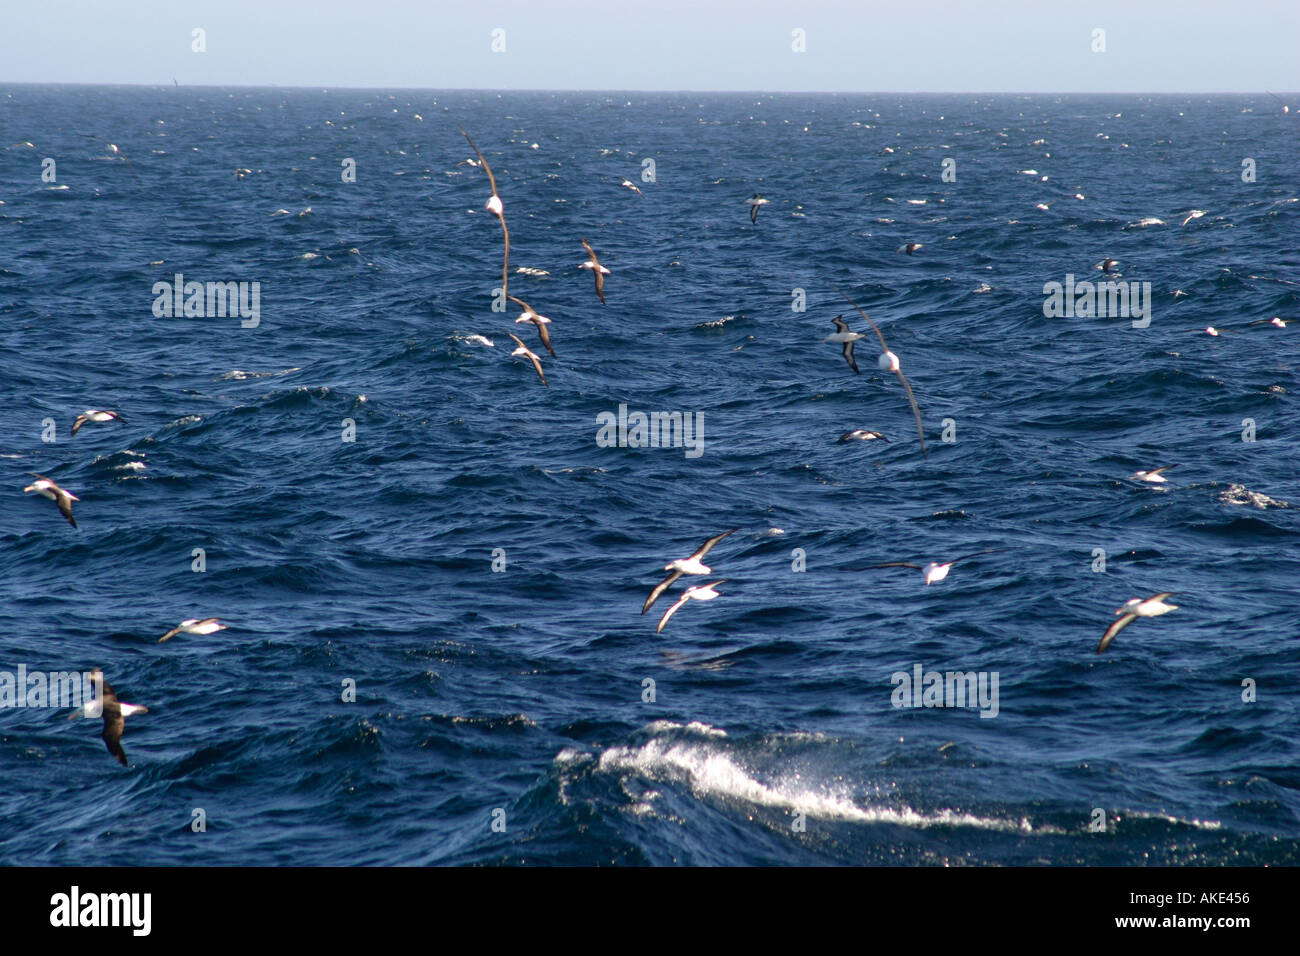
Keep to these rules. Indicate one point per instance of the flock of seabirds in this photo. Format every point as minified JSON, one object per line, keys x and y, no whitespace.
{"x":114,"y":711}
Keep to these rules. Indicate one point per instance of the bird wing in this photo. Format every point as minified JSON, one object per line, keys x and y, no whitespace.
{"x":591,"y":252}
{"x":114,"y":724}
{"x":505,"y":261}
{"x":848,"y":357}
{"x":708,"y":545}
{"x":660,"y":588}
{"x":600,"y":284}
{"x":894,"y":564}
{"x":671,"y":611}
{"x":1114,"y":629}
{"x":169,"y":635}
{"x":65,"y":506}
{"x":753,"y":213}
{"x":488,"y":169}
{"x":840,"y":324}
{"x":916,"y":410}
{"x":537,"y":364}
{"x":1162,"y":595}
{"x":76,"y":426}
{"x":975,"y":555}
{"x":1156,"y":471}
{"x":544,"y":336}
{"x":518,"y":340}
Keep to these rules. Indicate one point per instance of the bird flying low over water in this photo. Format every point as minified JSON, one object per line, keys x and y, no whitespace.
{"x":1108,"y":264}
{"x":541,"y":321}
{"x":1153,"y":606}
{"x":494,"y":206}
{"x":910,"y":247}
{"x":862,"y":434}
{"x":888,"y":362}
{"x":1155,"y":475}
{"x":1280,"y":323}
{"x":524,"y":352}
{"x":114,"y":713}
{"x":195,"y":625}
{"x":691,"y":565}
{"x":597,"y":270}
{"x":47,"y":488}
{"x":628,"y":184}
{"x":701,"y":592}
{"x":842,"y":335}
{"x":95,"y":415}
{"x":754,"y":202}
{"x":935,"y":570}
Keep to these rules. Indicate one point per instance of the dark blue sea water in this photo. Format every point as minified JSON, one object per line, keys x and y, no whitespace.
{"x":516,"y":696}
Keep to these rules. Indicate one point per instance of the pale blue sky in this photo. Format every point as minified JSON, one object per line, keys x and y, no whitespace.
{"x":926,"y":45}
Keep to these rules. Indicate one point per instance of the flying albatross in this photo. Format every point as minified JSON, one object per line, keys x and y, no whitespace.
{"x":524,"y":352}
{"x":935,"y":570}
{"x":114,"y":713}
{"x":530,"y":315}
{"x":888,"y":362}
{"x":494,"y":207}
{"x":701,"y":592}
{"x":195,"y":625}
{"x":597,"y":270}
{"x":96,"y":415}
{"x":1153,"y":606}
{"x":46,"y":487}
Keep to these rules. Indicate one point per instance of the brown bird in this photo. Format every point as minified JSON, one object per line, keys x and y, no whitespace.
{"x":597,"y":270}
{"x":114,"y":713}
{"x":46,"y":487}
{"x":494,"y":206}
{"x":541,"y":321}
{"x":524,"y":352}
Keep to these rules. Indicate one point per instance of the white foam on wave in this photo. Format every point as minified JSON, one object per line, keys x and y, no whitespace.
{"x":710,"y":771}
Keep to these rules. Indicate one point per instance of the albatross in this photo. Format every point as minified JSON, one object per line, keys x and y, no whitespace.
{"x":114,"y":713}
{"x":597,"y":270}
{"x":48,"y":489}
{"x":1133,"y":609}
{"x":494,"y":206}
{"x":701,"y":592}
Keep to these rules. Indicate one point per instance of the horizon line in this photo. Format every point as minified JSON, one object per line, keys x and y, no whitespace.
{"x":473,"y":89}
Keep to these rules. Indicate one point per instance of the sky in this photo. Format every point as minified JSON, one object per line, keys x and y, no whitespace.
{"x":871,"y":46}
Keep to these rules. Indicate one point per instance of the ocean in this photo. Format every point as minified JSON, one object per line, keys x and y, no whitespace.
{"x":431,"y":566}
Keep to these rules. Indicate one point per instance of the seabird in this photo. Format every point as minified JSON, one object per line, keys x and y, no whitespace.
{"x":1107,"y":263}
{"x":114,"y":713}
{"x":494,"y":207}
{"x":95,"y":415}
{"x":243,"y":171}
{"x":861,"y":434}
{"x":691,"y":565}
{"x":117,"y":152}
{"x":1280,"y":323}
{"x":46,"y":487}
{"x":910,"y":247}
{"x":194,"y":625}
{"x":701,"y":592}
{"x":1208,"y":330}
{"x":1153,"y":606}
{"x":888,"y":362}
{"x":632,"y":186}
{"x":935,"y":570}
{"x":847,"y":338}
{"x":1194,"y":214}
{"x":523,"y":352}
{"x":754,"y":202}
{"x":597,"y":270}
{"x":1154,"y":475}
{"x":541,"y":321}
